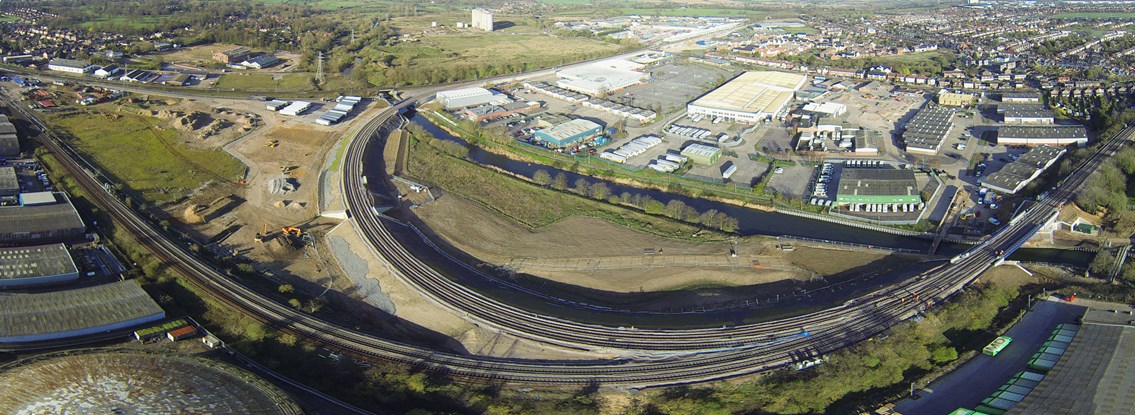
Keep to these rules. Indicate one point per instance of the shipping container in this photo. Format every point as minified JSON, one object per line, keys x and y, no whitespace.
{"x":181,"y":333}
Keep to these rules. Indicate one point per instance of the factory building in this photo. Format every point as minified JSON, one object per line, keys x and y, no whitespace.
{"x":70,"y":66}
{"x":752,"y":97}
{"x":1020,"y":97}
{"x":483,"y":19}
{"x":74,"y":313}
{"x":569,"y":133}
{"x":701,"y":153}
{"x":233,"y":56}
{"x":1026,"y":114}
{"x":9,"y":141}
{"x":600,"y":78}
{"x":36,"y":266}
{"x":492,"y":112}
{"x":831,"y":109}
{"x":878,"y":190}
{"x":40,"y":223}
{"x":1018,"y":174}
{"x":1047,"y":135}
{"x":927,"y":130}
{"x":9,"y":182}
{"x":954,"y":99}
{"x":469,"y":97}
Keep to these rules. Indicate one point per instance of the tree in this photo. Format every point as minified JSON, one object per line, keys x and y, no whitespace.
{"x":285,"y":288}
{"x":943,"y":354}
{"x":1102,"y":263}
{"x":560,"y":181}
{"x":582,"y":186}
{"x":675,"y":209}
{"x":600,"y":191}
{"x":295,"y":303}
{"x":652,"y":206}
{"x":541,"y":177}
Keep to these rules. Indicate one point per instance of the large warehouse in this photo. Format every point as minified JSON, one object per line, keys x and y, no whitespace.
{"x":73,"y":313}
{"x":1026,"y":114}
{"x":927,"y":130}
{"x":1018,"y":174}
{"x":9,"y":182}
{"x":600,"y":77}
{"x":40,"y":224}
{"x":470,"y":97}
{"x":1092,"y":373}
{"x":1046,"y":135}
{"x":878,"y":190}
{"x":9,"y":141}
{"x":753,"y":97}
{"x":569,"y":133}
{"x":36,"y":265}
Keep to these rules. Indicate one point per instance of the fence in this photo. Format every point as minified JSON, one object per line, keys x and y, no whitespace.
{"x":846,"y":244}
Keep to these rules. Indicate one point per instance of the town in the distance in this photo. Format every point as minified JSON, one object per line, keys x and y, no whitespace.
{"x":605,"y":207}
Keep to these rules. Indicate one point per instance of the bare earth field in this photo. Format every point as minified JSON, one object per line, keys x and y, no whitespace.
{"x":597,"y":254}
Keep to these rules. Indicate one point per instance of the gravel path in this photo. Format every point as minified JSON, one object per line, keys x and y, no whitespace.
{"x":357,"y":270}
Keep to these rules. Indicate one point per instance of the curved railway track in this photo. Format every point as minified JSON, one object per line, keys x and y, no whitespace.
{"x":934,"y":285}
{"x":686,"y":356}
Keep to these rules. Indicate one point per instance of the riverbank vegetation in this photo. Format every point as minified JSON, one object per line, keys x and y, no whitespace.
{"x":440,"y":162}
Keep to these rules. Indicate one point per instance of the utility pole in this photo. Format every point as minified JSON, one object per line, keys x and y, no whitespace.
{"x":319,"y":68}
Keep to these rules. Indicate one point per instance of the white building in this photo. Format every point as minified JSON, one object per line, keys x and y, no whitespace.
{"x":296,"y":108}
{"x":483,"y":19}
{"x":468,"y":97}
{"x":70,"y":65}
{"x":600,"y":77}
{"x":753,"y":97}
{"x":834,"y":109}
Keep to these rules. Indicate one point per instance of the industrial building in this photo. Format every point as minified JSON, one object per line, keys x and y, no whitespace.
{"x":569,"y":133}
{"x":40,"y":223}
{"x":492,"y":112}
{"x":469,"y":97}
{"x":36,"y":265}
{"x":1018,"y":174}
{"x":70,"y":66}
{"x":483,"y":19}
{"x":1026,"y":114}
{"x":9,"y":182}
{"x":831,"y":109}
{"x":9,"y":141}
{"x":927,"y":130}
{"x":955,"y":99}
{"x":233,"y":56}
{"x":600,"y":78}
{"x":1020,"y":97}
{"x":1093,"y":373}
{"x":878,"y":190}
{"x":701,"y":153}
{"x":295,"y":108}
{"x":73,"y":313}
{"x":1047,"y":135}
{"x":750,"y":98}
{"x":260,"y":62}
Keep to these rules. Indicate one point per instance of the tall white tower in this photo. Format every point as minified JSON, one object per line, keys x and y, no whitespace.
{"x":483,"y":19}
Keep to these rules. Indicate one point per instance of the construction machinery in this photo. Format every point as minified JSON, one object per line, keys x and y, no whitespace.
{"x":272,"y":144}
{"x":263,"y":235}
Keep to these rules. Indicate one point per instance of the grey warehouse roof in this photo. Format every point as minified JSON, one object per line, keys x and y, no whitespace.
{"x":877,"y":182}
{"x":39,"y":218}
{"x":1094,"y":375}
{"x":54,"y":314}
{"x":35,"y":261}
{"x":1042,"y":131}
{"x":8,"y":179}
{"x":1019,"y":95}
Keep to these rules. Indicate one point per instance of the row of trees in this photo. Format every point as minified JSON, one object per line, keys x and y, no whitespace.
{"x":674,"y":209}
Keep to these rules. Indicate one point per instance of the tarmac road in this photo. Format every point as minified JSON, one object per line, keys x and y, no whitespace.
{"x":966,"y":386}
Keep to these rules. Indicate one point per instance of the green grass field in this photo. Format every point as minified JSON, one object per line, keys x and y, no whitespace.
{"x":148,"y":160}
{"x":265,"y":82}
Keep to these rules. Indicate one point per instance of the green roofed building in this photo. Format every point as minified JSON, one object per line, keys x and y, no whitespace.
{"x":701,"y":153}
{"x":569,"y":133}
{"x":878,"y":190}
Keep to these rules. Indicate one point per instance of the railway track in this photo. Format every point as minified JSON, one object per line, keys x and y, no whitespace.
{"x":661,"y":357}
{"x":935,"y":285}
